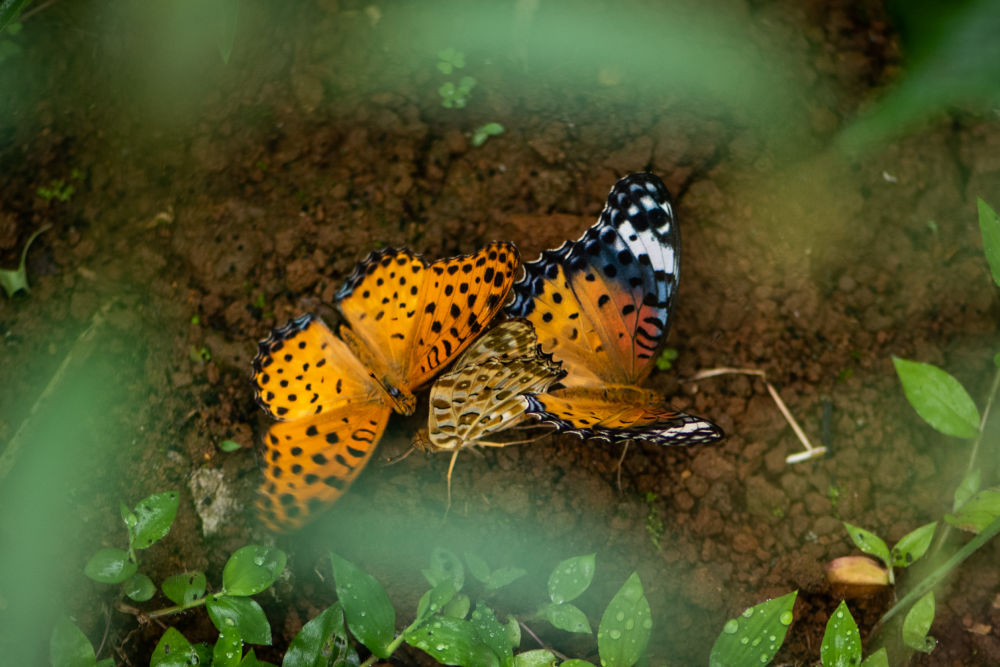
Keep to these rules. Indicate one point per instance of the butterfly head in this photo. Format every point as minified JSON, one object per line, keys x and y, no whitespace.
{"x":403,"y":402}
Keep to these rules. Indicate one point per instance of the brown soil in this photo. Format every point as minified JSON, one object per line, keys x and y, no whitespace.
{"x":243,"y":194}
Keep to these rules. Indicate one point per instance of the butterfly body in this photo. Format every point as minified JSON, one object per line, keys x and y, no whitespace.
{"x":601,"y":305}
{"x":332,"y":396}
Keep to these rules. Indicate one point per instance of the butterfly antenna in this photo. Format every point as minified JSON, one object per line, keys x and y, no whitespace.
{"x":393,"y":461}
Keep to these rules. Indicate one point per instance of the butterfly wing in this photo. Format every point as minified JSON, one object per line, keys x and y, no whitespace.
{"x":619,"y":414}
{"x":310,"y":462}
{"x":420,"y":317}
{"x":602,"y":304}
{"x":331,"y":415}
{"x":483,"y":394}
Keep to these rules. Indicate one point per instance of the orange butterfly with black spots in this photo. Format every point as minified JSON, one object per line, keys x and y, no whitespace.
{"x":332,"y":396}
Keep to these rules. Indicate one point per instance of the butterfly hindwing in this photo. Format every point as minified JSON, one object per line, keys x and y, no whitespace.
{"x":310,"y":462}
{"x":483,"y":393}
{"x":619,"y":414}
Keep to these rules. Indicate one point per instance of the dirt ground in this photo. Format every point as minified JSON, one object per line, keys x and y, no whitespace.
{"x":213,"y":202}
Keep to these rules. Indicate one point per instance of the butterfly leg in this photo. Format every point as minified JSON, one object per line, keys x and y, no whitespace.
{"x":451,"y":468}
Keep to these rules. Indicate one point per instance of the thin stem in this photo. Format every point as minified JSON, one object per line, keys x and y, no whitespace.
{"x":540,"y":642}
{"x":176,"y":609}
{"x":393,"y":645}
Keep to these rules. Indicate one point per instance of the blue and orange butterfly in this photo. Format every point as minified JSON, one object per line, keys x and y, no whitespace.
{"x":601,"y":305}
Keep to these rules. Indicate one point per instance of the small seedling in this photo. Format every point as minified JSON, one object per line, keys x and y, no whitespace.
{"x":665,"y":361}
{"x":654,"y":524}
{"x":456,"y":96}
{"x":15,"y":280}
{"x":484,"y":132}
{"x":56,"y":189}
{"x":449,"y":60}
{"x":230,"y":446}
{"x":199,"y":355}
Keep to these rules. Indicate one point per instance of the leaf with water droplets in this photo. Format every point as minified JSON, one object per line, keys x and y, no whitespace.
{"x":322,"y":642}
{"x":252,"y":569}
{"x":184,"y":588}
{"x":841,"y":645}
{"x":434,"y":601}
{"x":370,"y":615}
{"x":492,"y":633}
{"x":913,"y":545}
{"x":917,"y":624}
{"x":566,"y":617}
{"x":173,"y":650}
{"x":153,"y":517}
{"x":452,"y":641}
{"x":228,"y":650}
{"x":869,"y":542}
{"x":754,"y":637}
{"x":625,"y":626}
{"x":571,"y":578}
{"x":241,"y":613}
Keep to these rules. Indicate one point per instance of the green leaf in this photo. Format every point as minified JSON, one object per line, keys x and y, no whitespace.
{"x":917,"y":624}
{"x":879,"y":658}
{"x":452,"y":641}
{"x":10,"y":10}
{"x":538,"y":658}
{"x":571,"y":578}
{"x":228,"y":651}
{"x":477,"y":567}
{"x":69,"y":647}
{"x":140,"y":587}
{"x":107,"y":662}
{"x":435,"y":600}
{"x":229,"y":446}
{"x":625,"y":626}
{"x":503,"y":577}
{"x":566,"y":616}
{"x":989,"y":227}
{"x":173,"y":650}
{"x":967,"y":487}
{"x":445,"y":566}
{"x":513,"y":630}
{"x":154,"y":515}
{"x":183,"y":589}
{"x":841,"y":645}
{"x":252,"y":569}
{"x":978,"y":512}
{"x":241,"y":613}
{"x":938,"y":398}
{"x":754,"y":637}
{"x":322,"y":642}
{"x":913,"y":545}
{"x":458,"y":607}
{"x":575,"y":663}
{"x":370,"y":615}
{"x":869,"y":542}
{"x":110,"y":566}
{"x":492,"y":633}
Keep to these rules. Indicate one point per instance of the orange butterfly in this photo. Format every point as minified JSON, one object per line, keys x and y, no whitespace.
{"x":333,"y":396}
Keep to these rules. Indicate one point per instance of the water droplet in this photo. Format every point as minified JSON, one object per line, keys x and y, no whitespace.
{"x":230,"y":622}
{"x":756,"y":642}
{"x":615,"y":634}
{"x":620,"y":616}
{"x":441,"y":647}
{"x":629,"y":624}
{"x":771,"y":638}
{"x":731,"y":626}
{"x":785,"y":618}
{"x":748,"y":613}
{"x":764,"y":659}
{"x":258,"y":561}
{"x":648,"y":624}
{"x":744,"y":640}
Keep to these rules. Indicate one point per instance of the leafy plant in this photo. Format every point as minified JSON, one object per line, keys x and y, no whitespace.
{"x":446,"y":630}
{"x":456,"y":96}
{"x":450,"y":59}
{"x":665,"y":360}
{"x":56,"y":189}
{"x":484,"y":132}
{"x":69,"y":646}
